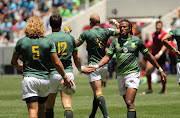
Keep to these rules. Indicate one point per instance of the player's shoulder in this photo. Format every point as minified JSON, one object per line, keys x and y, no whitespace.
{"x":24,"y":39}
{"x":135,"y":38}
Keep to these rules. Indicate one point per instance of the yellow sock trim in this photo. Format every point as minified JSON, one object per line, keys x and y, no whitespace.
{"x":131,"y":109}
{"x":68,"y":108}
{"x":99,"y":95}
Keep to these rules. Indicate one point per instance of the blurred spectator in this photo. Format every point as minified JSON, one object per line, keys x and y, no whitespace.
{"x":14,"y":28}
{"x":43,"y":8}
{"x":56,"y":3}
{"x":20,"y":26}
{"x":64,"y":11}
{"x":70,"y":4}
{"x":12,"y":8}
{"x":6,"y":29}
{"x":27,"y":7}
{"x":136,"y":30}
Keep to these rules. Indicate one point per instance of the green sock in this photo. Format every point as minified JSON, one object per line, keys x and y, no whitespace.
{"x":94,"y":109}
{"x":102,"y":105}
{"x":68,"y":112}
{"x":131,"y":113}
{"x":49,"y":113}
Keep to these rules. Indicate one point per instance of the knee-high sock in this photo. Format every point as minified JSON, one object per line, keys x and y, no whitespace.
{"x":102,"y":105}
{"x":94,"y":109}
{"x":131,"y":113}
{"x":68,"y":112}
{"x":49,"y":113}
{"x":163,"y":85}
{"x":149,"y":81}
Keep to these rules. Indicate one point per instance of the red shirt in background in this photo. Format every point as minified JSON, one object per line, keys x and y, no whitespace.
{"x":148,"y":44}
{"x":157,"y":44}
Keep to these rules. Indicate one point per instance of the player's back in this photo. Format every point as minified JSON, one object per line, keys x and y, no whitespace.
{"x":96,"y":39}
{"x":65,"y":45}
{"x":35,"y":54}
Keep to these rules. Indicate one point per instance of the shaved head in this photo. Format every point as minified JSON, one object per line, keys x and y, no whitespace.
{"x":95,"y":19}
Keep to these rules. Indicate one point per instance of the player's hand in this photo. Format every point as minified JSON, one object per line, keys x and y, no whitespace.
{"x":88,"y":69}
{"x":164,"y":77}
{"x":112,"y":21}
{"x":68,"y":82}
{"x":20,"y":67}
{"x":157,"y":56}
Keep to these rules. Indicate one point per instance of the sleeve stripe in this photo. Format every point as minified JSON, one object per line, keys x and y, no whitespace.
{"x":53,"y":50}
{"x":75,"y":49}
{"x":145,"y":50}
{"x":110,"y":52}
{"x":16,"y":53}
{"x":80,"y":39}
{"x":170,"y":33}
{"x":114,"y":33}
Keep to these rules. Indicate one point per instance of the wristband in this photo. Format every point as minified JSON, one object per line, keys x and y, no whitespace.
{"x":160,"y":69}
{"x":65,"y":77}
{"x":114,"y":21}
{"x":160,"y":52}
{"x":174,"y":50}
{"x":81,"y":69}
{"x":96,"y":66}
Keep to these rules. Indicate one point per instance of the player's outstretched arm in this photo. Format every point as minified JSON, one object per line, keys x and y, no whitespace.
{"x":77,"y":62}
{"x":78,"y":43}
{"x":103,"y":61}
{"x":165,"y":40}
{"x":15,"y":63}
{"x":59,"y":67}
{"x":153,"y":61}
{"x":113,"y":21}
{"x":158,"y":55}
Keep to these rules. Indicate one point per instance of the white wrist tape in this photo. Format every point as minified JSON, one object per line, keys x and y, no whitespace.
{"x":96,"y":66}
{"x":160,"y":69}
{"x":81,"y":69}
{"x":114,"y":21}
{"x":160,"y":52}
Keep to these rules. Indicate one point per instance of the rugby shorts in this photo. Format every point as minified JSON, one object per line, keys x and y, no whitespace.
{"x":178,"y":71}
{"x":98,"y":74}
{"x":56,"y":82}
{"x":32,"y":86}
{"x":128,"y":81}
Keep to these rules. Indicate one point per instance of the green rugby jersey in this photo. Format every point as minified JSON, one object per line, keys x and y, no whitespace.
{"x":65,"y":45}
{"x":127,"y":54}
{"x":175,"y":33}
{"x":35,"y":54}
{"x":96,"y":39}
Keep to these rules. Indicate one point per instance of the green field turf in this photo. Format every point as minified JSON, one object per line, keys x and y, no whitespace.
{"x":147,"y":106}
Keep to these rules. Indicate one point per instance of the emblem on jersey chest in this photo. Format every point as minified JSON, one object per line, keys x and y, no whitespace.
{"x":133,"y":45}
{"x":125,"y":50}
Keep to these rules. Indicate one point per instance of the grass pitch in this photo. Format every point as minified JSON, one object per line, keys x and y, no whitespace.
{"x":147,"y":106}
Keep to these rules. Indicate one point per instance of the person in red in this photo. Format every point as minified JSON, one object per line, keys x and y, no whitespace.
{"x":148,"y":43}
{"x":158,"y":50}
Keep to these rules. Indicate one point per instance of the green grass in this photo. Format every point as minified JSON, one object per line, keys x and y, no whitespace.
{"x":147,"y":106}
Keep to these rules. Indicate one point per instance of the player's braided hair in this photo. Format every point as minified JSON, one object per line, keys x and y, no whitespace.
{"x":34,"y":27}
{"x":130,"y":25}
